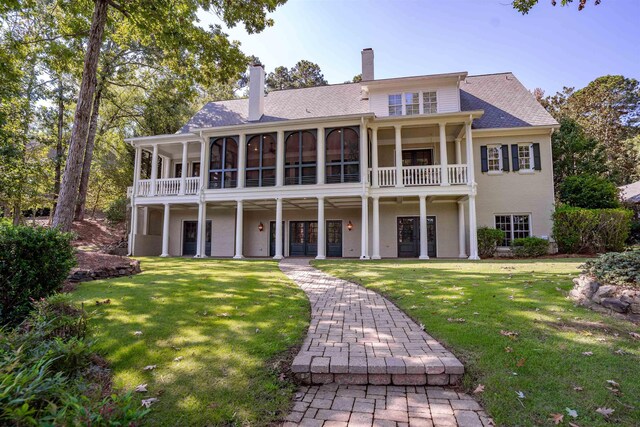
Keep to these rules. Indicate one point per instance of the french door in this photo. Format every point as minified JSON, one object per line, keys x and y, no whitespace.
{"x":190,"y":238}
{"x":409,"y":236}
{"x":272,"y":238}
{"x":334,"y":238}
{"x":303,"y":238}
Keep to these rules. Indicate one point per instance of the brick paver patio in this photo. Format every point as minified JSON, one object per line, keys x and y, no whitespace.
{"x":367,"y":363}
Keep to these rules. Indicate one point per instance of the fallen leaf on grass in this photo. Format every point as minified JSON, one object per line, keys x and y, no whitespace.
{"x":605,"y":411}
{"x":142,"y":388}
{"x":508,"y":349}
{"x":177,"y":359}
{"x":510,"y":334}
{"x":520,"y":394}
{"x":577,"y":388}
{"x":257,"y":330}
{"x":587,"y":353}
{"x":635,"y":335}
{"x":454,"y":320}
{"x":557,"y":418}
{"x":619,"y":351}
{"x":148,"y":402}
{"x":521,"y":362}
{"x":479,"y":389}
{"x":149,"y":367}
{"x":614,"y":391}
{"x":613,"y":383}
{"x":137,"y":333}
{"x":573,"y":424}
{"x":572,"y":412}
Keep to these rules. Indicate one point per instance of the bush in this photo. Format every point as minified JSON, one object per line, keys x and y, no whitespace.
{"x":616,"y":268}
{"x":528,"y":247}
{"x":578,"y":230}
{"x":488,"y":241}
{"x":116,"y":212}
{"x":49,"y":375}
{"x":589,"y":192}
{"x":34,"y":262}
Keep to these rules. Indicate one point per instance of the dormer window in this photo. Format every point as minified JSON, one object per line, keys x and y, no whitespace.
{"x":395,"y":105}
{"x":430,"y":102}
{"x":412,"y":103}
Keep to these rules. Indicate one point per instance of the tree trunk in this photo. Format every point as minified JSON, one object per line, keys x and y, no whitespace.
{"x":69,"y":188}
{"x":59,"y":145}
{"x":88,"y":155}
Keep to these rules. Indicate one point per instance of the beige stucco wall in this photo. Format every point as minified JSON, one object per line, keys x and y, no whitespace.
{"x":515,"y":192}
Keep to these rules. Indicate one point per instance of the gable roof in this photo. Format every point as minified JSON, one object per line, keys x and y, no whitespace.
{"x":631,"y":192}
{"x":505,"y":101}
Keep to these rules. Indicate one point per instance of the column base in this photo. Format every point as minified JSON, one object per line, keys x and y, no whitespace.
{"x":321,"y":257}
{"x":445,"y":184}
{"x":278,"y":257}
{"x":238,"y":257}
{"x":164,"y":255}
{"x":365,"y":257}
{"x":423,"y":257}
{"x":463,"y":256}
{"x":474,"y":258}
{"x":376,"y":257}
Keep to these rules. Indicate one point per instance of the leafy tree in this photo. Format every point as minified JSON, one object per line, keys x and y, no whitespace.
{"x":279,"y":79}
{"x":524,"y":6}
{"x":303,"y":74}
{"x":589,"y":192}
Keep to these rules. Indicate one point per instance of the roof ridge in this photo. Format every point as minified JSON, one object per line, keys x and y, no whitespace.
{"x":492,"y":74}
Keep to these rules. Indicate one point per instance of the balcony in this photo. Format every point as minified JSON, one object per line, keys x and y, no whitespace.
{"x":422,"y":175}
{"x":165,"y":187}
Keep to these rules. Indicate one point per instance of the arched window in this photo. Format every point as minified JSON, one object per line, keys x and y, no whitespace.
{"x":261,"y":161}
{"x":223,"y":163}
{"x":343,"y":155}
{"x":300,"y":158}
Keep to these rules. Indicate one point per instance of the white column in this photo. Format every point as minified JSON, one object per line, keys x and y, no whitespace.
{"x":242,"y":159}
{"x":204,"y":165}
{"x":444,"y":161}
{"x":364,"y":154}
{"x":322,"y":235}
{"x":278,"y":254}
{"x":134,"y":228}
{"x":321,"y":168}
{"x":166,"y":167}
{"x":424,"y":253}
{"x":461,"y":231}
{"x":473,"y":229}
{"x":239,"y":230}
{"x":202,"y":230}
{"x":458,"y":152}
{"x":376,"y":228}
{"x":165,"y":231}
{"x":399,"y":181}
{"x":364,"y":229}
{"x":469,"y":143}
{"x":136,"y":170}
{"x":280,"y":159}
{"x":145,"y":220}
{"x":183,"y":176}
{"x":154,"y":169}
{"x":374,"y":157}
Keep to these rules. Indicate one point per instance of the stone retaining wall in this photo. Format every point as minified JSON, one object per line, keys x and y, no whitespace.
{"x":620,"y":299}
{"x":84,"y":275}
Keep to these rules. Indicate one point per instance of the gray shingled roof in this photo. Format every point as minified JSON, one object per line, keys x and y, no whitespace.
{"x":631,"y":192}
{"x":505,"y":101}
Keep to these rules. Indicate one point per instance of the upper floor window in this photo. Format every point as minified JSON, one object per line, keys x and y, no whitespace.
{"x":430,"y":102}
{"x":300,"y":153}
{"x":525,"y":156}
{"x":223,"y":163}
{"x":412,"y":103}
{"x":261,"y":161}
{"x":342,"y":155}
{"x":514,"y":227}
{"x":494,"y":158}
{"x":422,"y":157}
{"x":395,"y":105}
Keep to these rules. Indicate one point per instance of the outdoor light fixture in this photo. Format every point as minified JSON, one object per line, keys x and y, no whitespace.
{"x":349,"y":226}
{"x":260,"y":227}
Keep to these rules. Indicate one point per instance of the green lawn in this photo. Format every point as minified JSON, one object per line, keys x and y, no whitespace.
{"x":466,"y":305}
{"x":227,"y":320}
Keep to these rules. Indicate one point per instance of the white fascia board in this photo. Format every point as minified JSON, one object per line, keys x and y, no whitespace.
{"x":403,"y":81}
{"x":524,"y":130}
{"x":162,"y":139}
{"x":413,"y":191}
{"x":416,"y":119}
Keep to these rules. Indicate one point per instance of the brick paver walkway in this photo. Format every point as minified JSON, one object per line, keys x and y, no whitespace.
{"x":367,"y":363}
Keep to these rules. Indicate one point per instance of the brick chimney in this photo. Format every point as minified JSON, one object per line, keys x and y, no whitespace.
{"x":256,"y":92}
{"x":367,"y":64}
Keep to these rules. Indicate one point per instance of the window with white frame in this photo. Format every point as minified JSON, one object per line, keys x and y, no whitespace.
{"x":514,"y":227}
{"x":429,"y":102}
{"x":525,"y":156}
{"x":412,"y":103}
{"x":395,"y":105}
{"x":494,"y":158}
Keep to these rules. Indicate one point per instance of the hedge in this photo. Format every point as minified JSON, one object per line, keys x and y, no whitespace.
{"x":34,"y":262}
{"x":488,"y":241}
{"x":527,"y":247}
{"x":578,"y":230}
{"x":616,"y":268}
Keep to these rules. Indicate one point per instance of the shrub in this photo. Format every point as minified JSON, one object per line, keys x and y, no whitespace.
{"x":589,"y":192}
{"x":488,"y":241}
{"x":528,"y":247}
{"x":34,"y":262}
{"x":116,"y":212}
{"x":578,"y":230}
{"x":617,"y":268}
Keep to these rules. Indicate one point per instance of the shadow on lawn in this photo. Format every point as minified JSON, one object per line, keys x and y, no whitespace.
{"x":226,"y":322}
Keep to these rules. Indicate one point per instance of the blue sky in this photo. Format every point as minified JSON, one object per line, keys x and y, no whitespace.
{"x":551,"y":47}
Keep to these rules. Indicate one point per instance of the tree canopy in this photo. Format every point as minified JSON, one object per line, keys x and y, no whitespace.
{"x":524,"y":6}
{"x":303,"y":74}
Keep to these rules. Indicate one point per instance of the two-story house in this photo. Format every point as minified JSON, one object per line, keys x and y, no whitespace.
{"x":400,"y":167}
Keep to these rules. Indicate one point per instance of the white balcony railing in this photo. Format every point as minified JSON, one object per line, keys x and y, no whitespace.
{"x":422,"y":175}
{"x":165,"y":187}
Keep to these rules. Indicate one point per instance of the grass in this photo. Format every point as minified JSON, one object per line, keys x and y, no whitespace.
{"x":227,"y":320}
{"x":545,"y":360}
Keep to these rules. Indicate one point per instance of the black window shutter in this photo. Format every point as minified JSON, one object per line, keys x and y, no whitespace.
{"x":483,"y":158}
{"x":536,"y":157}
{"x":505,"y":158}
{"x":514,"y":157}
